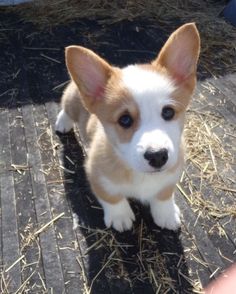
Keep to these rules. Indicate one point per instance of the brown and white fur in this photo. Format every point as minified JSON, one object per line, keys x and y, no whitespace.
{"x":132,"y":150}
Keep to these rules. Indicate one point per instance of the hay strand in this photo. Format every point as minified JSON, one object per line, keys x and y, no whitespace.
{"x":43,"y":228}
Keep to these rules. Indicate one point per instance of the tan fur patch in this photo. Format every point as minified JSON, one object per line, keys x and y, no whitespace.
{"x":117,"y":102}
{"x":102,"y":194}
{"x":102,"y":160}
{"x":183,"y":93}
{"x":166,"y":193}
{"x":73,"y":106}
{"x":71,"y":102}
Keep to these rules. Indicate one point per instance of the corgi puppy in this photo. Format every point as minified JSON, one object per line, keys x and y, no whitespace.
{"x":131,"y":121}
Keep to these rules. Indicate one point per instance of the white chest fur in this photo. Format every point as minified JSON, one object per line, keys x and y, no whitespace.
{"x":142,"y":186}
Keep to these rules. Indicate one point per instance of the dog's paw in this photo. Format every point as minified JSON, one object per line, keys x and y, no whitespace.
{"x":119,"y":216}
{"x":63,"y":123}
{"x":166,"y":214}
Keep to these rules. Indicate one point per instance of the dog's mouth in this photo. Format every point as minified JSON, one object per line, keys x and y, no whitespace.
{"x":155,"y":171}
{"x":162,"y":169}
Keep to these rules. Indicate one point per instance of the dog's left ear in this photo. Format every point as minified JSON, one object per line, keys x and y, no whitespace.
{"x":179,"y":55}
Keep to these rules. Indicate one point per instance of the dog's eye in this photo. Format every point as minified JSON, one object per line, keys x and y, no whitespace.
{"x":167,"y":113}
{"x":125,"y":121}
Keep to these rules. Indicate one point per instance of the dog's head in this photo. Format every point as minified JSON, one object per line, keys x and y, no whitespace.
{"x":141,"y":107}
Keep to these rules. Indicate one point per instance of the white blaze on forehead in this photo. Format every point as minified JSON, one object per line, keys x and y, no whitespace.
{"x":147,"y":84}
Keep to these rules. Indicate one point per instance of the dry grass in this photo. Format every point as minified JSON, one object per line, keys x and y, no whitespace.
{"x":218,"y":37}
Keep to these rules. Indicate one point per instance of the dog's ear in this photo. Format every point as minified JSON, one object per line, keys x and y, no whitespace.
{"x":90,"y":72}
{"x":179,"y":55}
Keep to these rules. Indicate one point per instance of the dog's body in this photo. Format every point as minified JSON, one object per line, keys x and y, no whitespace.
{"x":131,"y":121}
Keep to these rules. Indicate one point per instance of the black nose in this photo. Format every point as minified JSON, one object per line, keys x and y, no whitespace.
{"x":156,"y":158}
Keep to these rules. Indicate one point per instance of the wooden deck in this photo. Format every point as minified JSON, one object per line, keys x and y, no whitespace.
{"x":44,"y":192}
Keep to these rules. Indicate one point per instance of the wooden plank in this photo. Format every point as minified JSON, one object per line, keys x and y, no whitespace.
{"x":227,"y":244}
{"x":210,"y":95}
{"x":225,"y":96}
{"x":51,"y":260}
{"x":207,"y":250}
{"x":40,"y":89}
{"x":217,"y":100}
{"x":224,"y":245}
{"x":10,"y":240}
{"x":232,"y":79}
{"x":2,"y":167}
{"x":66,"y":238}
{"x":195,"y":263}
{"x":27,"y":219}
{"x":32,"y":265}
{"x":226,"y":88}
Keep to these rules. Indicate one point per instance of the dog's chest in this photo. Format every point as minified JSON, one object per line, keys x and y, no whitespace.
{"x":142,"y":187}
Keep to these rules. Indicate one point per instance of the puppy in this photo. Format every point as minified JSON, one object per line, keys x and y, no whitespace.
{"x":131,"y":121}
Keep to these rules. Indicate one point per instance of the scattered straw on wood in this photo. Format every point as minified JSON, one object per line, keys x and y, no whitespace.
{"x":209,"y":160}
{"x":19,"y":168}
{"x":28,"y":240}
{"x":151,"y":265}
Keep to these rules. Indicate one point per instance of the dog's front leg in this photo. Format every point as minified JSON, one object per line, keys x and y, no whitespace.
{"x":118,"y":215}
{"x":165,"y":212}
{"x":117,"y":211}
{"x":63,"y":123}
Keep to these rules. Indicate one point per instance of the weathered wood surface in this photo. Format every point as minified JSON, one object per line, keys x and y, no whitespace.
{"x":42,"y":178}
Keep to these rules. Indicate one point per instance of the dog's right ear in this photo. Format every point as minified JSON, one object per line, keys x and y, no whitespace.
{"x":90,"y":72}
